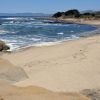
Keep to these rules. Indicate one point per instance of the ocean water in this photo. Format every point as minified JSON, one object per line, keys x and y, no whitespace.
{"x":21,"y":32}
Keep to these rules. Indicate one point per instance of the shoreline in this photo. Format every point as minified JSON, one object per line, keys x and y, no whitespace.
{"x":81,"y":21}
{"x":53,"y":44}
{"x":85,"y":35}
{"x":92,"y":34}
{"x":69,"y":21}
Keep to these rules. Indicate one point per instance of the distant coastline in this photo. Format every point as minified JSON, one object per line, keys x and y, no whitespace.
{"x":75,"y":16}
{"x":78,"y":21}
{"x":73,"y":21}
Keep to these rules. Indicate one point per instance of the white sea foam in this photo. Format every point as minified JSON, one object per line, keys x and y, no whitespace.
{"x":12,"y":47}
{"x":60,"y":33}
{"x":17,"y":18}
{"x":46,"y":44}
{"x":11,"y":22}
{"x":72,"y":31}
{"x":35,"y":39}
{"x":17,"y":45}
{"x":3,"y":32}
{"x":37,"y":42}
{"x":10,"y":18}
{"x":74,"y":37}
{"x":31,"y":18}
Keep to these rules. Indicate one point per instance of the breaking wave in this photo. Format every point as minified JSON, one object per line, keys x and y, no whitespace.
{"x":22,"y":32}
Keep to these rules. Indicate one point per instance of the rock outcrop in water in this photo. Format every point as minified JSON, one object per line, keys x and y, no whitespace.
{"x":3,"y":46}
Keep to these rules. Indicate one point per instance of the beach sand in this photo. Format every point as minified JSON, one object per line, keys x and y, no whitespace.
{"x":70,"y":66}
{"x":78,"y":21}
{"x":57,"y":72}
{"x":8,"y":91}
{"x":10,"y":73}
{"x":11,"y":92}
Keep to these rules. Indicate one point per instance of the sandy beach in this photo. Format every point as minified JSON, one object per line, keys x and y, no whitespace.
{"x":77,"y":21}
{"x":57,"y":72}
{"x":11,"y":92}
{"x":70,"y":66}
{"x":10,"y":74}
{"x":49,"y":50}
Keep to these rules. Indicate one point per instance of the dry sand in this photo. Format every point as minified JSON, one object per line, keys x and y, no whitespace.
{"x":10,"y":92}
{"x":70,"y":66}
{"x":10,"y":72}
{"x":79,"y":21}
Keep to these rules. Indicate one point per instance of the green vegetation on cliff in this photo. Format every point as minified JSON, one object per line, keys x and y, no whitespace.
{"x":74,"y":13}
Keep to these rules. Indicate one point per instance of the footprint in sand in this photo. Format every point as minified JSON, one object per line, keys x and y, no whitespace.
{"x":80,"y":55}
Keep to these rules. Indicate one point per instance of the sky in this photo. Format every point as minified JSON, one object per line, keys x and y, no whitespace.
{"x":46,"y":6}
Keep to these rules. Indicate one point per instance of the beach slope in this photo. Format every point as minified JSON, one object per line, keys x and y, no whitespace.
{"x":69,"y":66}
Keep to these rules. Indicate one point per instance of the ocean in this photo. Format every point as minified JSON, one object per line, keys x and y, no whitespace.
{"x":21,"y":32}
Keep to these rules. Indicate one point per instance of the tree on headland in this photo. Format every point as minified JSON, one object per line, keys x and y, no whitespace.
{"x":72,"y":13}
{"x":97,"y":14}
{"x":58,"y":14}
{"x":88,"y":15}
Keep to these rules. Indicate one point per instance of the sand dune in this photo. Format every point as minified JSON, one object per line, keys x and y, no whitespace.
{"x":70,"y":66}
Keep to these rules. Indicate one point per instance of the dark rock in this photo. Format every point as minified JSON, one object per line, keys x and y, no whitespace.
{"x":94,"y":94}
{"x":3,"y":46}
